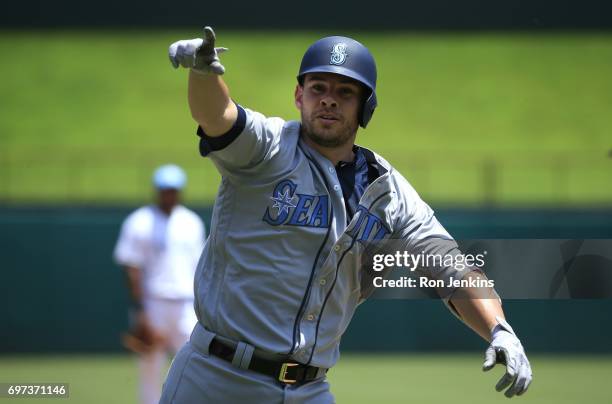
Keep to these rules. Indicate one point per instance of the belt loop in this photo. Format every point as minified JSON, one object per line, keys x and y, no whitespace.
{"x":201,"y":338}
{"x":242,"y":356}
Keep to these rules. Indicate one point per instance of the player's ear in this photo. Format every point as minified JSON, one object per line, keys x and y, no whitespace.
{"x":299,"y":91}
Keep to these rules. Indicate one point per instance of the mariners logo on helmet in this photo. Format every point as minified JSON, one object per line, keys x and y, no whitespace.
{"x":338,"y":54}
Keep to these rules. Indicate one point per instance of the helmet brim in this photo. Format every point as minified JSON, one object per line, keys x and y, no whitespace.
{"x":336,"y":70}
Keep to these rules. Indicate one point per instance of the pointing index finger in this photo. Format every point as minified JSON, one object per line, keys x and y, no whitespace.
{"x":209,"y":36}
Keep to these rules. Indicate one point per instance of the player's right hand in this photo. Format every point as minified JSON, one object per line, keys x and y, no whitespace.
{"x":200,"y":55}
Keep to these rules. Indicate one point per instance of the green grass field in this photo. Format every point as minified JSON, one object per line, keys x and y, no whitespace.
{"x":507,"y":118}
{"x":356,"y":379}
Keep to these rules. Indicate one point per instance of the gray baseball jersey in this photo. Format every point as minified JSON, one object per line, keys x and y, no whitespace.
{"x":281,"y":269}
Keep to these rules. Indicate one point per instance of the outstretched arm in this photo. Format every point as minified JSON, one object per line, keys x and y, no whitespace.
{"x":208,"y":95}
{"x":478,"y":308}
{"x":239,"y":141}
{"x":481,"y":310}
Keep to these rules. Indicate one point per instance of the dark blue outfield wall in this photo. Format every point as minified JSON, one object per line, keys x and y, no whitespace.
{"x":314,"y":14}
{"x":60,"y":291}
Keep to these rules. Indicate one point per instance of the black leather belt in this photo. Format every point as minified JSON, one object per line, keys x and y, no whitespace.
{"x":284,"y":372}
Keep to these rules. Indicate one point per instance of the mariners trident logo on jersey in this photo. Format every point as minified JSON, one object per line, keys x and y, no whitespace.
{"x":291,"y":208}
{"x":338,"y":54}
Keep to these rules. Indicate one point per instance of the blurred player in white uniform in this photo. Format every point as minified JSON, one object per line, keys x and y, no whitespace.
{"x":159,"y":247}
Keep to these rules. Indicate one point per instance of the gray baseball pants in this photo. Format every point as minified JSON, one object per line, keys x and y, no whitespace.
{"x":197,"y":377}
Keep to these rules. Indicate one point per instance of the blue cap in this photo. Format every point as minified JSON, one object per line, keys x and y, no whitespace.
{"x":169,"y":176}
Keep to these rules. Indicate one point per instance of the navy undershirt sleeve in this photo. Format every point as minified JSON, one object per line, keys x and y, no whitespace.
{"x":209,"y":144}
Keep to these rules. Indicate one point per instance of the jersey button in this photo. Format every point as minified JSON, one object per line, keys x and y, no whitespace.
{"x":322,"y":282}
{"x":331,"y":169}
{"x":336,"y":187}
{"x":310,"y":317}
{"x":336,"y":247}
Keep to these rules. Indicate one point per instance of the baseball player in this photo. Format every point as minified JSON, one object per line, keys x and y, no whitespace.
{"x":159,"y":246}
{"x":298,"y":207}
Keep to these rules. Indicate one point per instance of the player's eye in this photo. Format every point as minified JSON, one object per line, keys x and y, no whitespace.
{"x":346,"y":92}
{"x":317,"y":88}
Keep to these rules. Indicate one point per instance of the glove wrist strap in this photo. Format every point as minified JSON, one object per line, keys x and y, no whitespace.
{"x":200,"y":72}
{"x":502,"y":325}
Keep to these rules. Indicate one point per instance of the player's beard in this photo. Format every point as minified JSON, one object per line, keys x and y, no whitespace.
{"x":339,"y":134}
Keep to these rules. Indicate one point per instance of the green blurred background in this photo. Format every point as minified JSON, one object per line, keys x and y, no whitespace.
{"x":365,"y":378}
{"x":498,"y":114}
{"x":468,"y":118}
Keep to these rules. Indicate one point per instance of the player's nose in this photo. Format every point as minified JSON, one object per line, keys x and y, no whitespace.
{"x":329,"y":102}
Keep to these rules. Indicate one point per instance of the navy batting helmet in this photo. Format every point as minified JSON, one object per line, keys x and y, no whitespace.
{"x":345,"y":56}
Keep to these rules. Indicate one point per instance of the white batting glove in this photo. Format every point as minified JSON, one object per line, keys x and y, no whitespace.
{"x":200,"y":55}
{"x":506,"y":348}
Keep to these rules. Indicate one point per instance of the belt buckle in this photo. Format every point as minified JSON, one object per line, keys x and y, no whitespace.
{"x":282,"y":376}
